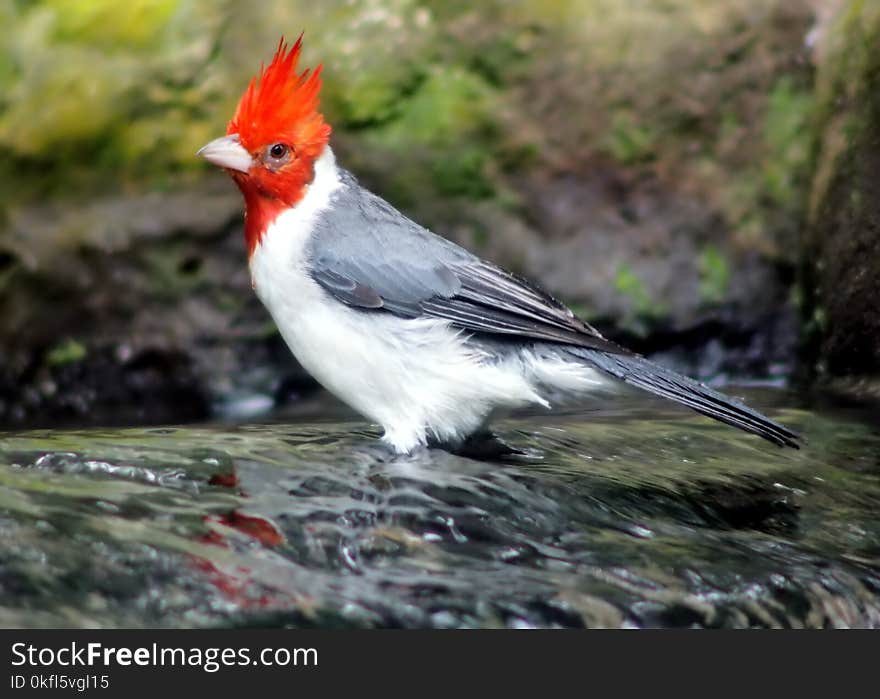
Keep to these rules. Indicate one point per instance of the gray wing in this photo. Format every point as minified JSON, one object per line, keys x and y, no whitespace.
{"x":371,"y":257}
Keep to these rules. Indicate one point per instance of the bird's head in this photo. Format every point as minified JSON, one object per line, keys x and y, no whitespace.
{"x":273,"y":141}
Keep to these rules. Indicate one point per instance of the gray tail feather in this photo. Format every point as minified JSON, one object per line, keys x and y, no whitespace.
{"x":639,"y":372}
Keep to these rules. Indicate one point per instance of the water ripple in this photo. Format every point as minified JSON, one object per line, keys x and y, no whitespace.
{"x":628,"y":519}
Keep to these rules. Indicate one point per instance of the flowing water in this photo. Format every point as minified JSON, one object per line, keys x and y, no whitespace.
{"x":635,"y":515}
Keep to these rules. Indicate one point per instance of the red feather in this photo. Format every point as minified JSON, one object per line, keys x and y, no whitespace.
{"x":281,"y":105}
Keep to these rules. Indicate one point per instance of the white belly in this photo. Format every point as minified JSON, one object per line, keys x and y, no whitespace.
{"x":416,"y":378}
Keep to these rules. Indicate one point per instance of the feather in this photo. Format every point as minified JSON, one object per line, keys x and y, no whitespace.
{"x":282,"y":105}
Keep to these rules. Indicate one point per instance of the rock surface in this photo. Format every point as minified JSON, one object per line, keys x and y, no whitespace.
{"x":842,"y":251}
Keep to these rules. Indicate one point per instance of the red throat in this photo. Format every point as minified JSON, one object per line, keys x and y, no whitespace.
{"x":280,"y":106}
{"x":260,"y":212}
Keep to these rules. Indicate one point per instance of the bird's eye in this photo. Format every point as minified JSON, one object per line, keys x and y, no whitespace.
{"x":277,"y":155}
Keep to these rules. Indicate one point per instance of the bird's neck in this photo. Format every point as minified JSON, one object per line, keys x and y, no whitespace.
{"x":262,"y":210}
{"x":260,"y":213}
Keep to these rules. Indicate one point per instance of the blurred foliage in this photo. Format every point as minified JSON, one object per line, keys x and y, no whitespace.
{"x":469,"y":116}
{"x":656,"y":148}
{"x":628,"y":283}
{"x":715,"y":274}
{"x":433,"y":97}
{"x":99,"y":92}
{"x":67,"y":351}
{"x":787,"y":135}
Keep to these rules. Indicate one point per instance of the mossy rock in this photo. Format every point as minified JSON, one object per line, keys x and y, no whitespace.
{"x":842,"y":252}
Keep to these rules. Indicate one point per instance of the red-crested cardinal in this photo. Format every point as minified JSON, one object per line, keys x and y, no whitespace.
{"x":406,"y":327}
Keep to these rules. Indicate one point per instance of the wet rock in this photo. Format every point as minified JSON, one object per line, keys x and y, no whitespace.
{"x":133,"y":309}
{"x":620,"y":518}
{"x":153,"y":386}
{"x":842,"y":255}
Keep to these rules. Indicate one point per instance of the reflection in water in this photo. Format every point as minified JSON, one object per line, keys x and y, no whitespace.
{"x":613,"y":518}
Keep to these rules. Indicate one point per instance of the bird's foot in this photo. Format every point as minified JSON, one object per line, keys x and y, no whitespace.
{"x":484,"y":446}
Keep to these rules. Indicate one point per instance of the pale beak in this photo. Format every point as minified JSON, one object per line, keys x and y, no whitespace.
{"x":227,"y":152}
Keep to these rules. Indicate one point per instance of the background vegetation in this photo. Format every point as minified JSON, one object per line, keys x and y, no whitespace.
{"x":697,"y":177}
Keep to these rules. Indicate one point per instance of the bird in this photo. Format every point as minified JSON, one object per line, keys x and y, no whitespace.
{"x":412,"y":331}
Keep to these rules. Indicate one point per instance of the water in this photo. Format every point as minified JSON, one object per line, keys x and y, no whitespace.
{"x":637,"y":515}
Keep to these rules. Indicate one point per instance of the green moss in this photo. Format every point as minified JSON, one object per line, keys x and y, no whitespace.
{"x":371,"y":96}
{"x":788,"y":139}
{"x":67,"y":351}
{"x":839,"y":283}
{"x":109,"y":23}
{"x":463,"y":174}
{"x":714,"y":275}
{"x":449,"y":102}
{"x":443,"y":130}
{"x":84,"y":94}
{"x":628,"y":283}
{"x":630,"y":141}
{"x":99,"y":94}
